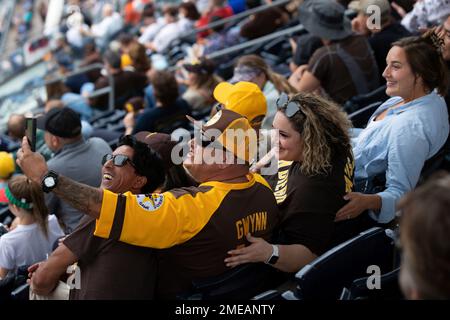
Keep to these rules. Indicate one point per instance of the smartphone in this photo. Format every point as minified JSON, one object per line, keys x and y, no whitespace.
{"x":31,"y":132}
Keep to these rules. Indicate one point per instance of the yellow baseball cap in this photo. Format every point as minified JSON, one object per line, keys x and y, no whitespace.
{"x":7,"y":166}
{"x":243,"y":97}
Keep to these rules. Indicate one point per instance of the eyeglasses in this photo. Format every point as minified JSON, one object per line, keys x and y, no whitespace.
{"x":289,"y":108}
{"x":119,"y":160}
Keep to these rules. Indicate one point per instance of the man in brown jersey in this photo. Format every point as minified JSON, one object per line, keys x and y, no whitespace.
{"x":197,"y":225}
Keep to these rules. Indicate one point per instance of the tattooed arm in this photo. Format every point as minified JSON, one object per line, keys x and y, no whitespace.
{"x":82,"y":197}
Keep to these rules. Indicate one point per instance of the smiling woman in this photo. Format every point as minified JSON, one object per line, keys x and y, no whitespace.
{"x":404,"y":131}
{"x":315,"y":172}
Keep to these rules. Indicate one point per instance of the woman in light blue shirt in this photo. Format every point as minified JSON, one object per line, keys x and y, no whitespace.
{"x":404,"y":132}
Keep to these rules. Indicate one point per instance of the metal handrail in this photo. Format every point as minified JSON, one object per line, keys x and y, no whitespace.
{"x":96,"y":93}
{"x":99,"y":92}
{"x":235,"y":17}
{"x":250,"y":43}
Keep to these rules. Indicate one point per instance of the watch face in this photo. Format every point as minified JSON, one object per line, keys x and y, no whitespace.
{"x":49,"y":182}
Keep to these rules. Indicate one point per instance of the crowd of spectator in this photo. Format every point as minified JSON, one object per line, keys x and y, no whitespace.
{"x":126,"y":194}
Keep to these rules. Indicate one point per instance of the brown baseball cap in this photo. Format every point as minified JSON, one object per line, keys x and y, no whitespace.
{"x":160,"y":143}
{"x":236,"y":134}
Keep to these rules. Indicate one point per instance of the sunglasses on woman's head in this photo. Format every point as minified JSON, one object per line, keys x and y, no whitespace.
{"x":289,"y":108}
{"x":119,"y":160}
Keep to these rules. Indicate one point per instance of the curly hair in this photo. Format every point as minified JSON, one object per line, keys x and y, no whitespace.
{"x":324,"y":128}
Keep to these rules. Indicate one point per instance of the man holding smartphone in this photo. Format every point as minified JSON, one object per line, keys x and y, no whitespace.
{"x":75,"y":157}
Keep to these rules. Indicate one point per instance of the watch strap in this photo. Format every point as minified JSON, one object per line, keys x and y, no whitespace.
{"x":274,"y":256}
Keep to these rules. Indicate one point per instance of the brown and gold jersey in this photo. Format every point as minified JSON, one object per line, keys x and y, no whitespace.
{"x":199,"y":225}
{"x":308,"y":204}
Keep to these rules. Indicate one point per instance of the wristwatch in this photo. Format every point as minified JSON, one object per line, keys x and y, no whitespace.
{"x":274,"y":257}
{"x":49,"y":181}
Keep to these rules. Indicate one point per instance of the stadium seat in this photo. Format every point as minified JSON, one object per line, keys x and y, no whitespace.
{"x":6,"y":216}
{"x":243,"y":282}
{"x":436,"y":162}
{"x":360,"y":101}
{"x":268,"y":295}
{"x":7,"y":286}
{"x":21,"y":293}
{"x":14,"y":286}
{"x":389,"y":288}
{"x":361,"y":117}
{"x":326,"y":276}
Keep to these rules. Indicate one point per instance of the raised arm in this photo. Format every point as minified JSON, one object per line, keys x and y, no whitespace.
{"x":82,"y":197}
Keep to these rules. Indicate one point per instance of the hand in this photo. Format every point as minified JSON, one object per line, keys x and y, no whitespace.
{"x":358,"y":202}
{"x":32,"y":164}
{"x":259,"y":251}
{"x":31,"y":270}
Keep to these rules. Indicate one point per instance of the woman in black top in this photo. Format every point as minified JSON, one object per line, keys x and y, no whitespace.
{"x":314,"y":174}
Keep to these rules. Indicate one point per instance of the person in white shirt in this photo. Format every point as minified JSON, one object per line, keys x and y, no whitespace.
{"x":424,"y":14}
{"x":187,"y":15}
{"x":112,"y":22}
{"x":32,"y":240}
{"x":169,"y":32}
{"x":77,"y":30}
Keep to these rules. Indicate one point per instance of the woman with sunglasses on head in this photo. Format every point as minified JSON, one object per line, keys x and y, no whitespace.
{"x":315,"y":171}
{"x":33,"y":238}
{"x":401,"y":135}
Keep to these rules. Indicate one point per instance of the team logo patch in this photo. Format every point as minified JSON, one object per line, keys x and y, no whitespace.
{"x":150,"y":202}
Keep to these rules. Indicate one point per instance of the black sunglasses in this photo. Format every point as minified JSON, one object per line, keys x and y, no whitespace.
{"x":289,"y":108}
{"x":119,"y":160}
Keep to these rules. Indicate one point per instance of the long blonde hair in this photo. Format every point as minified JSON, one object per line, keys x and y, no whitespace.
{"x":256,"y":62}
{"x":324,"y":128}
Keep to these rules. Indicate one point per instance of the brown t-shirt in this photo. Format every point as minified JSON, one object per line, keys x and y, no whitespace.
{"x":308,"y":205}
{"x":110,"y":269}
{"x":195,"y":226}
{"x":334,"y":76}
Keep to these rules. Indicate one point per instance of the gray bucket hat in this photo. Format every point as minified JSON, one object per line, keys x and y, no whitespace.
{"x":325,"y":19}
